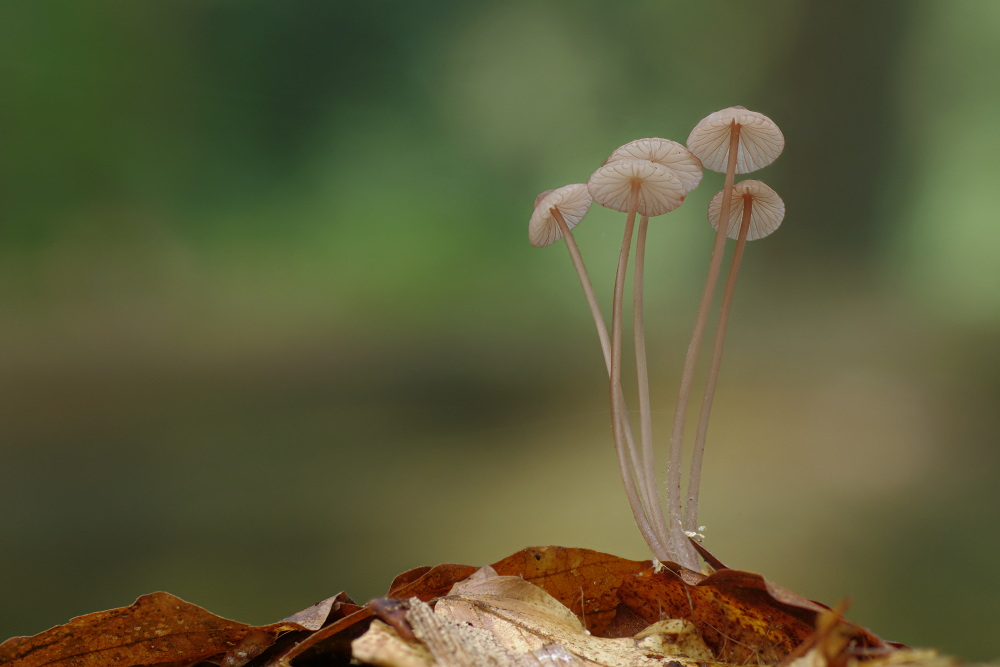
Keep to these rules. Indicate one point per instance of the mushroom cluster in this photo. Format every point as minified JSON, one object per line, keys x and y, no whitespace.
{"x":651,"y":177}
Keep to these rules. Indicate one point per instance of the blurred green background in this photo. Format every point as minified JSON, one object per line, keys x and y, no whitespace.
{"x":270,"y":326}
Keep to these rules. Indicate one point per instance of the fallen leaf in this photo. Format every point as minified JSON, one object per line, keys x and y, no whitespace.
{"x":741,"y":615}
{"x":424,"y":583}
{"x":737,"y":616}
{"x":440,"y":641}
{"x":585,"y":581}
{"x":259,"y":640}
{"x":321,"y":613}
{"x":524,"y":618}
{"x":161,"y":629}
{"x":157,"y":629}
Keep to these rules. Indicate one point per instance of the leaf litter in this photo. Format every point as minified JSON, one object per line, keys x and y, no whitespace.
{"x":541,"y":605}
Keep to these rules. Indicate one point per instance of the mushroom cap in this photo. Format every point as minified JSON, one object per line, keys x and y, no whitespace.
{"x":660,"y":189}
{"x":670,"y":154}
{"x":541,"y":196}
{"x":760,"y":144}
{"x":573,"y":201}
{"x":766,"y":213}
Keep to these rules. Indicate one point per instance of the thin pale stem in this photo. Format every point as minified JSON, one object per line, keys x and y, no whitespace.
{"x":645,"y":414}
{"x":618,"y":412}
{"x":657,"y":514}
{"x":687,"y":377}
{"x":694,"y":481}
{"x":588,"y":289}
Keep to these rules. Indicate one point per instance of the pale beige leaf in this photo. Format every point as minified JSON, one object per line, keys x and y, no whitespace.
{"x":381,"y":646}
{"x":523,"y":617}
{"x":675,"y":636}
{"x":444,"y":642}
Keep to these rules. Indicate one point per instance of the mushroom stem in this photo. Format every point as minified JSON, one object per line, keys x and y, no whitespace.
{"x":694,"y":480}
{"x":641,"y":509}
{"x":588,"y":289}
{"x":645,"y":415}
{"x":687,"y":377}
{"x":602,"y":332}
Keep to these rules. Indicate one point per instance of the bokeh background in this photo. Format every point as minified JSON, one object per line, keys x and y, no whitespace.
{"x":270,"y":326}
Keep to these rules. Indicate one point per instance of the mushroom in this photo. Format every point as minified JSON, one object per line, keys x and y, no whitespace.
{"x":556,"y":213}
{"x":737,"y":140}
{"x":687,"y":168}
{"x":636,"y":186}
{"x":668,"y":153}
{"x":755,"y":212}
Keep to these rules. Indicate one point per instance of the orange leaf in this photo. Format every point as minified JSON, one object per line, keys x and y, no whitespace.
{"x":159,"y":628}
{"x":575,"y":576}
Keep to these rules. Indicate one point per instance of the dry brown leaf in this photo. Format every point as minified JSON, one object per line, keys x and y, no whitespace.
{"x":318,"y":615}
{"x":157,"y":629}
{"x":740,"y":617}
{"x":585,"y":581}
{"x":739,"y":625}
{"x":424,"y":583}
{"x":445,"y":642}
{"x":161,"y":629}
{"x":524,"y":618}
{"x":258,"y":640}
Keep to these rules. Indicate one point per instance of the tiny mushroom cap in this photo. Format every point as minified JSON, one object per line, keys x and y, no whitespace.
{"x":766,"y":213}
{"x":668,"y":153}
{"x":541,"y":196}
{"x":659,"y":189}
{"x":761,"y":141}
{"x":572,"y":202}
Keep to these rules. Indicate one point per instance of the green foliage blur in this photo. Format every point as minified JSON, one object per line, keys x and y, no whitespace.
{"x":270,"y":326}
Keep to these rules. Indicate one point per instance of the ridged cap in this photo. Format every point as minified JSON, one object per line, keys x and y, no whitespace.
{"x":670,"y":154}
{"x":766,"y":213}
{"x":760,"y":144}
{"x":572,"y":201}
{"x":660,"y":190}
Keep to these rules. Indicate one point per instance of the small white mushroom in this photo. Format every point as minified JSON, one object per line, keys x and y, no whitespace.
{"x":731,"y":140}
{"x":541,"y":196}
{"x":636,"y":186}
{"x":765,"y":206}
{"x":656,"y":188}
{"x":760,"y":140}
{"x":556,"y":210}
{"x":756,"y":211}
{"x":556,"y":213}
{"x":670,"y":154}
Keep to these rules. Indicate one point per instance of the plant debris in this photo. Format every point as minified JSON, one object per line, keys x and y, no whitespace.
{"x":543,"y":605}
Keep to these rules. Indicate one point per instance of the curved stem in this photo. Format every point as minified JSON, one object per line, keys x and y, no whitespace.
{"x":687,"y":377}
{"x":618,"y":411}
{"x":645,"y":415}
{"x":649,"y":492}
{"x":588,"y":289}
{"x":694,"y":480}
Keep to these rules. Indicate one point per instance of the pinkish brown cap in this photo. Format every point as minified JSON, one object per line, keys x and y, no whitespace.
{"x":766,"y":213}
{"x":541,"y":196}
{"x":660,"y":190}
{"x":760,"y":144}
{"x":572,"y":201}
{"x":670,"y":154}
